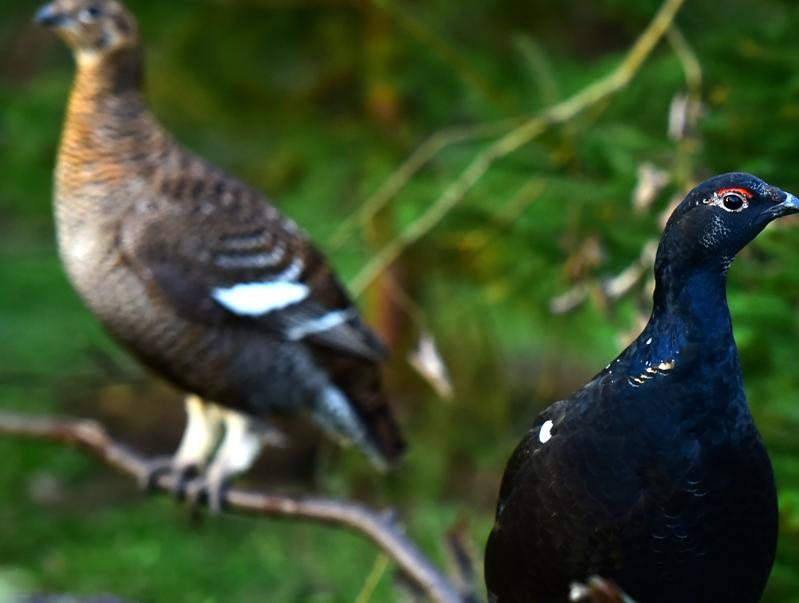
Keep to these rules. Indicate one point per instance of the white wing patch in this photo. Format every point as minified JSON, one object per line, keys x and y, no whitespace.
{"x":317,"y":325}
{"x":254,"y":299}
{"x":546,"y":432}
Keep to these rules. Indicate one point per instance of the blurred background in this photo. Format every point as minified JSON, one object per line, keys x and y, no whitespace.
{"x":527,"y":286}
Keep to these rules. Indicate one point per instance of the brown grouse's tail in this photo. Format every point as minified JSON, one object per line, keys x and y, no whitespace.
{"x":360,"y":381}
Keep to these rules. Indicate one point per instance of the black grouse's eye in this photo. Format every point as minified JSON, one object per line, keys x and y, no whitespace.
{"x":733,"y":202}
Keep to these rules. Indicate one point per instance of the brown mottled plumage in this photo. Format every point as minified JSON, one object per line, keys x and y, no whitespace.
{"x":195,"y":273}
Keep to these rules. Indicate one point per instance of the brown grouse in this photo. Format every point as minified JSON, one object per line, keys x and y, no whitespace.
{"x":197,"y":274}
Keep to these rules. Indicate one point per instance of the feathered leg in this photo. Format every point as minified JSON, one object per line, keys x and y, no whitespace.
{"x":202,"y":434}
{"x":243,"y":440}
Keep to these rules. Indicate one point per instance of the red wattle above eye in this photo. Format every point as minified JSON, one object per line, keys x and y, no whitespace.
{"x":734,"y":189}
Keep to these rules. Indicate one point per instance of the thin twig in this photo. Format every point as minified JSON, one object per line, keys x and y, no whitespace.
{"x":685,"y":110}
{"x":373,"y":579}
{"x":408,"y":169}
{"x":556,"y":114}
{"x":505,"y":216}
{"x":610,"y":290}
{"x":538,"y":66}
{"x":91,"y":437}
{"x":444,"y":51}
{"x":692,"y":68}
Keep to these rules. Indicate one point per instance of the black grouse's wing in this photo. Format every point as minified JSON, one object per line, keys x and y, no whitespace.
{"x":518,"y":546}
{"x":521,"y":456}
{"x":234,"y":258}
{"x":581,"y":490}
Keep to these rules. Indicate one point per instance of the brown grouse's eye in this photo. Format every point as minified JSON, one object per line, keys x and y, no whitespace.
{"x":90,"y":13}
{"x":733,"y":202}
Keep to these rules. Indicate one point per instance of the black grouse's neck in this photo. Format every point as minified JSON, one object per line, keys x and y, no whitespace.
{"x":691,"y":281}
{"x":687,"y":348}
{"x":690,"y":325}
{"x":696,"y":298}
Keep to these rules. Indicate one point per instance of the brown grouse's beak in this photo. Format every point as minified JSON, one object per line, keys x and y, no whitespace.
{"x":49,"y":16}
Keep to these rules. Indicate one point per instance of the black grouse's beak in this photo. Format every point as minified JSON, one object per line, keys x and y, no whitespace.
{"x":49,"y":16}
{"x":789,"y":205}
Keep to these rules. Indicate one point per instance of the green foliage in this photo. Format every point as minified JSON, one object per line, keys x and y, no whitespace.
{"x":317,"y":103}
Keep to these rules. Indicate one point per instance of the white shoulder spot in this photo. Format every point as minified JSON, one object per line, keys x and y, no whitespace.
{"x":254,"y":299}
{"x":546,"y":432}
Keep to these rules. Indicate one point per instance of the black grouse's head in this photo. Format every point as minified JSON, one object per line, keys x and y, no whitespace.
{"x":91,"y":28}
{"x":718,"y":218}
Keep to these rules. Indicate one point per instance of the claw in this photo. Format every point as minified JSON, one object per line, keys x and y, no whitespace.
{"x":181,"y":477}
{"x":153,"y":472}
{"x":180,"y":474}
{"x":207,"y":489}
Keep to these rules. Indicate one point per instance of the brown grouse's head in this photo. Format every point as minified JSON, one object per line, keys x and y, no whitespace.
{"x":91,"y":28}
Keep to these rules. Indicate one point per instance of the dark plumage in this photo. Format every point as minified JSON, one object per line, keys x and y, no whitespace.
{"x":653,"y":474}
{"x":196,"y":273}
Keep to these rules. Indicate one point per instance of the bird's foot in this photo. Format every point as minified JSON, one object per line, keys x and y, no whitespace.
{"x":181,"y":475}
{"x":154,"y":469}
{"x":208,"y":488}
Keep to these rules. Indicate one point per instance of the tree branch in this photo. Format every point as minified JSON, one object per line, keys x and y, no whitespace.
{"x":91,"y":437}
{"x":400,"y":177}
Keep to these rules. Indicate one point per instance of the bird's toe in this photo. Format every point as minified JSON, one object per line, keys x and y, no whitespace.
{"x":182,"y":475}
{"x":154,"y":470}
{"x":179,"y":476}
{"x":209,"y":490}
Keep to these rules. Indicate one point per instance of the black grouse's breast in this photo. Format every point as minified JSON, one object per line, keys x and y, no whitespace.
{"x":665,"y":511}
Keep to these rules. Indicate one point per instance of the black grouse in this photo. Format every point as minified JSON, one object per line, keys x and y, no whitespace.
{"x":197,"y":274}
{"x":653,"y":474}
